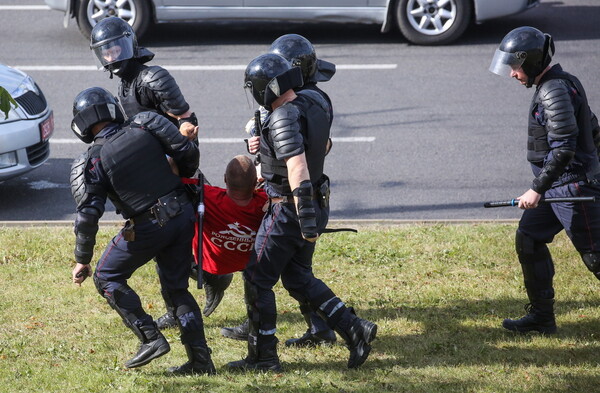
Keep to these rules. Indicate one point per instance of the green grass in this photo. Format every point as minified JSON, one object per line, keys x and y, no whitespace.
{"x":437,"y":292}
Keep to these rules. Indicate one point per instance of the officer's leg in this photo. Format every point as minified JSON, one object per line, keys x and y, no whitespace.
{"x":536,"y":228}
{"x":274,"y":246}
{"x":116,"y":265}
{"x":300,"y":274}
{"x":262,"y":342}
{"x":582,"y":224}
{"x":306,"y":288}
{"x":174,"y":271}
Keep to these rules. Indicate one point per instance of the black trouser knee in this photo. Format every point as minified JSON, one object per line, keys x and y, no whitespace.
{"x":538,"y":268}
{"x":133,"y":317}
{"x":187,"y":314}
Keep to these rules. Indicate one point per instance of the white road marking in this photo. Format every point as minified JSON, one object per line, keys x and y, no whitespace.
{"x":352,"y":139}
{"x":222,"y":67}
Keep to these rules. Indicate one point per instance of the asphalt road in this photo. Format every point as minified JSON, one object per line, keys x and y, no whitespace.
{"x":420,"y":133}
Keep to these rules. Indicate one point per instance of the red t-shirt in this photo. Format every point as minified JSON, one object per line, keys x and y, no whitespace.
{"x":228,"y":230}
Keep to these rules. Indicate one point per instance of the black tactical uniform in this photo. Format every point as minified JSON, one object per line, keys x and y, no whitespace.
{"x":300,"y":52}
{"x":141,"y":87}
{"x":127,"y":164}
{"x":284,"y":244}
{"x":564,"y":161}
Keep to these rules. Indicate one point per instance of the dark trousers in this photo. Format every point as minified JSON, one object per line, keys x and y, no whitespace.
{"x":281,"y":252}
{"x":581,"y":222}
{"x":171,"y":247}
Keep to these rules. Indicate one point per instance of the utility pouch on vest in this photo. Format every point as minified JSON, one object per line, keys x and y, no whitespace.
{"x":167,"y":207}
{"x":129,"y":231}
{"x":323,"y":191}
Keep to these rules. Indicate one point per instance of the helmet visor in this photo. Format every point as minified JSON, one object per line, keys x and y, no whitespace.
{"x":113,"y":51}
{"x":504,"y":63}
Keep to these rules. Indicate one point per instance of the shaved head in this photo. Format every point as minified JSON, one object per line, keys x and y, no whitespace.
{"x":240,"y":175}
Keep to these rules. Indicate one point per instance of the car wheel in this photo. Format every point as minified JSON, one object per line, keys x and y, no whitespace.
{"x":433,"y":22}
{"x":134,"y":12}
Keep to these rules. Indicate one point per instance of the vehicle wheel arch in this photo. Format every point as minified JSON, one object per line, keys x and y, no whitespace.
{"x":146,"y":9}
{"x":466,"y":17}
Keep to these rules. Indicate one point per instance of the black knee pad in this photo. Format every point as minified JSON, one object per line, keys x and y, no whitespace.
{"x":592,"y":261}
{"x":536,"y":263}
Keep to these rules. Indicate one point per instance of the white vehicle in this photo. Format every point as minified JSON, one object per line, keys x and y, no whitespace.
{"x":423,"y":22}
{"x":25,"y":133}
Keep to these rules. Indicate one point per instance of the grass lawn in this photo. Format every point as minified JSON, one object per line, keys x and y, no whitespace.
{"x":438,"y":293}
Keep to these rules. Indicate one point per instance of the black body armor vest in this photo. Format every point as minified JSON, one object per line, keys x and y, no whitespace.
{"x":314,"y":127}
{"x":135,"y":164}
{"x":586,"y":156}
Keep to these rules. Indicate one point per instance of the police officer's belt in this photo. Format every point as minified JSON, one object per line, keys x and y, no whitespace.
{"x":166,"y":207}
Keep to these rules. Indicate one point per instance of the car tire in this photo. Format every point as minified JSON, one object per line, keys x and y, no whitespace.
{"x":138,"y":11}
{"x":452,"y":18}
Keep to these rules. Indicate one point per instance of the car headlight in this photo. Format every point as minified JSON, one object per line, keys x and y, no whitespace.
{"x":26,"y":85}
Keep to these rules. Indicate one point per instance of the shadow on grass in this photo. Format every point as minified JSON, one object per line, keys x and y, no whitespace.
{"x":459,"y":333}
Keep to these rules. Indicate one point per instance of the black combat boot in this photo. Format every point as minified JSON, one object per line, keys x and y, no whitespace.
{"x":166,"y":321}
{"x":154,"y":345}
{"x":263,"y":358}
{"x":539,"y":318}
{"x":358,"y":336}
{"x":237,"y":332}
{"x":199,"y":362}
{"x":325,"y":337}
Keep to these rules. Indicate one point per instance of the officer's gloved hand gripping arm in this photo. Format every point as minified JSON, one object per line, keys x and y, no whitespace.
{"x":299,"y":179}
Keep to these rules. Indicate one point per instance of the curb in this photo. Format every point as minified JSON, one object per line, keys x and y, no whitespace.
{"x":332,"y":223}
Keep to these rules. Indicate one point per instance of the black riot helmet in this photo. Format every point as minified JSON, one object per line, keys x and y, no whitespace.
{"x":298,"y":51}
{"x":524,"y":47}
{"x":270,"y":75}
{"x":92,"y":106}
{"x":113,"y":42}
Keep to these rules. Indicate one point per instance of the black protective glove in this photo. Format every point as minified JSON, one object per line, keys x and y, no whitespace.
{"x":306,"y":210}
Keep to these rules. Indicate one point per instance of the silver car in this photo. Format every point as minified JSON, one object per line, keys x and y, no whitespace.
{"x":423,"y":22}
{"x":25,"y":133}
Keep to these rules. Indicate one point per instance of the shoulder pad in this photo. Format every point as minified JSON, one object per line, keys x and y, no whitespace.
{"x":165,"y":88}
{"x":77,"y":178}
{"x":155,"y":123}
{"x":556,"y":100}
{"x":284,"y":127}
{"x":161,"y":128}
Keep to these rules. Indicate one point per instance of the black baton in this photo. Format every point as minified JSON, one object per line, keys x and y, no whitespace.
{"x":257,"y":123}
{"x":515,"y":202}
{"x":200,"y":225}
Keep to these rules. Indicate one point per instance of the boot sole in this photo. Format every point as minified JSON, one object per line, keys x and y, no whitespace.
{"x":541,"y":330}
{"x":161,"y":351}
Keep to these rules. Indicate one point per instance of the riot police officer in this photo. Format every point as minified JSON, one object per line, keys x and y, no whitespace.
{"x":564,"y":160}
{"x":141,"y":87}
{"x":127,"y":163}
{"x":292,"y":147}
{"x":301,"y":53}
